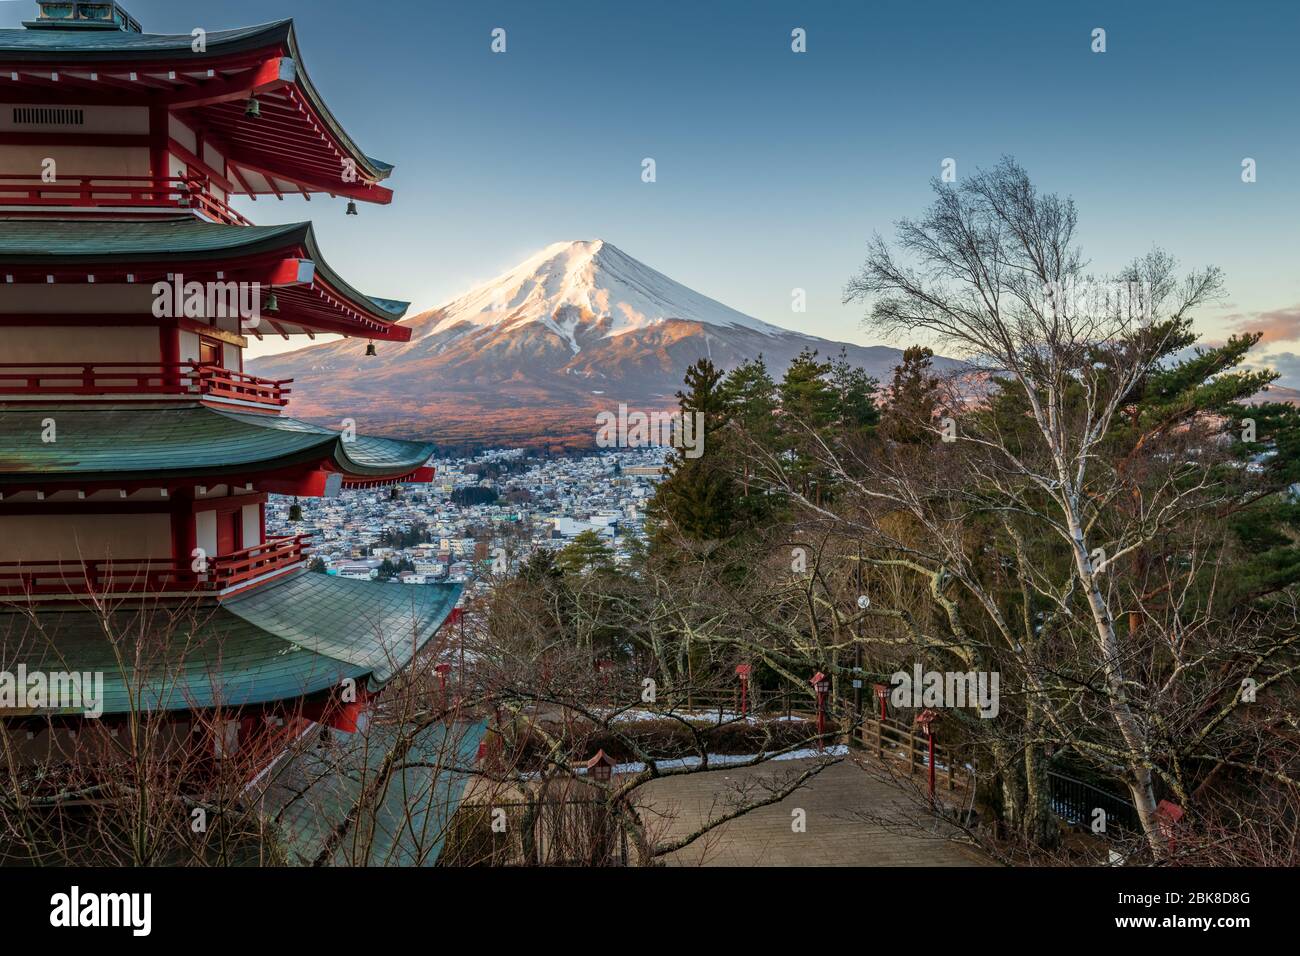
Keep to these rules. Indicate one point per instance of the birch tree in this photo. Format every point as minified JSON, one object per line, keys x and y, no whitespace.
{"x":993,"y":272}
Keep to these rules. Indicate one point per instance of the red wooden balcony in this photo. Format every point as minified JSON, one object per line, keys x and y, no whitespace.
{"x":274,"y":554}
{"x":150,"y":575}
{"x":34,"y":379}
{"x":131,"y":194}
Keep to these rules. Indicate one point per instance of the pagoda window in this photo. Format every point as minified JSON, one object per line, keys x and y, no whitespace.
{"x":56,"y":11}
{"x":209,"y":352}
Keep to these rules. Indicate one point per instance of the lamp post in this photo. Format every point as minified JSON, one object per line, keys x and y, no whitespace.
{"x":857,"y":648}
{"x":1167,"y":816}
{"x":742,"y":672}
{"x":822,"y":685}
{"x":882,"y":695}
{"x":926,"y":719}
{"x":600,"y":768}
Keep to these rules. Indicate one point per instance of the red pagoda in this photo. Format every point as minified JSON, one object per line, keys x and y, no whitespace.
{"x":136,"y":455}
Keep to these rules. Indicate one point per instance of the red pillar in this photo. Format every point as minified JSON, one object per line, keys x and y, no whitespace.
{"x":930,"y":738}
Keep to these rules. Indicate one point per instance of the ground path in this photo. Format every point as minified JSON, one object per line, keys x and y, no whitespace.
{"x":834,"y":836}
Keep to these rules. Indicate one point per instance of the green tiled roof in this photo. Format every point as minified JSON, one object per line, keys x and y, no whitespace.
{"x":49,"y":40}
{"x":59,"y":240}
{"x":125,"y":442}
{"x":52,"y":45}
{"x":309,"y":797}
{"x":290,"y":638}
{"x":182,"y":239}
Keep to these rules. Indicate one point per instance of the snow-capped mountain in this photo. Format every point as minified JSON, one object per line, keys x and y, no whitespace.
{"x":571,"y":285}
{"x":534,"y":354}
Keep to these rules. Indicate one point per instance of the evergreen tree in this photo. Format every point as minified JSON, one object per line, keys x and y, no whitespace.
{"x":749,"y":396}
{"x":912,"y":400}
{"x":585,"y":554}
{"x":697,"y":498}
{"x":856,"y":414}
{"x":810,"y":406}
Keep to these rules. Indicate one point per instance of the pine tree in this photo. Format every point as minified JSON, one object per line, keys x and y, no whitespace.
{"x":912,"y":400}
{"x":585,"y":554}
{"x":749,"y":395}
{"x":697,"y":498}
{"x":809,"y":409}
{"x":856,"y":414}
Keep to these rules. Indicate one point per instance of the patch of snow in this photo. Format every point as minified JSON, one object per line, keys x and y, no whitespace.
{"x":727,"y":760}
{"x":694,"y":716}
{"x":569,"y":285}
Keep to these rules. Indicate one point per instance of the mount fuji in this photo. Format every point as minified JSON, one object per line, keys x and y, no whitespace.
{"x":533,"y":355}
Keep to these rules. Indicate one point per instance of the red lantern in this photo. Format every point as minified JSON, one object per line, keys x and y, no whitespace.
{"x":1167,"y":816}
{"x":742,"y":671}
{"x":926,"y":719}
{"x":822,"y":685}
{"x":600,"y":767}
{"x":882,"y":695}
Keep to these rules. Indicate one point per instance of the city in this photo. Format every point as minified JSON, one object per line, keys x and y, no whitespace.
{"x":443,"y":532}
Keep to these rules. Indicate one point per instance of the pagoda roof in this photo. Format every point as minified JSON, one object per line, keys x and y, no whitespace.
{"x":308,"y":798}
{"x":297,"y":143}
{"x":150,"y":443}
{"x":47,"y":39}
{"x":152,"y":250}
{"x":290,"y":638}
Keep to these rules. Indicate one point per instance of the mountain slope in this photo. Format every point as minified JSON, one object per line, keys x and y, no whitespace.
{"x":533,"y":355}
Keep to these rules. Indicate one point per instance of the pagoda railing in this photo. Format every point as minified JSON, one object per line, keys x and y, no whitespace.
{"x":274,"y":554}
{"x":151,"y":575}
{"x":133,"y":193}
{"x":140,"y":378}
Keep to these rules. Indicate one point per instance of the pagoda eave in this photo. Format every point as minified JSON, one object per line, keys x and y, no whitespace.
{"x":285,"y":260}
{"x":294,"y":639}
{"x":124,"y":447}
{"x":296,"y":140}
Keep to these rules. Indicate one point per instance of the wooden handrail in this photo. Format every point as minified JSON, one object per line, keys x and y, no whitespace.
{"x":119,"y":378}
{"x":144,"y":575}
{"x":873,"y":732}
{"x":144,"y":192}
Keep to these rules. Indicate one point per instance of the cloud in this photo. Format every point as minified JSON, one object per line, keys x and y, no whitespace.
{"x":1288,"y":363}
{"x":1278,"y":325}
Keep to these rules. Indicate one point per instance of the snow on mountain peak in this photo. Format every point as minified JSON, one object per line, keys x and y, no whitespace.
{"x":582,"y":283}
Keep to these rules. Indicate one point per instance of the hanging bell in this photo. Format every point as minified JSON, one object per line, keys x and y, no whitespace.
{"x":253,"y":109}
{"x":272,"y":304}
{"x":352,"y":207}
{"x":295,"y":511}
{"x":370,"y":349}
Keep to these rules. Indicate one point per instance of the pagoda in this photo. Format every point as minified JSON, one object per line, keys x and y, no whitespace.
{"x":136,"y":454}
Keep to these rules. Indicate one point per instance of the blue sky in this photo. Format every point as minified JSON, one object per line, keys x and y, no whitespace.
{"x":773,"y":168}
